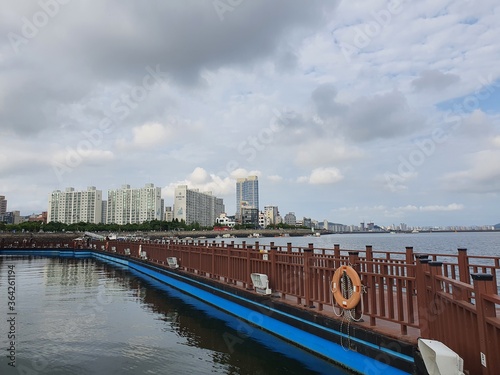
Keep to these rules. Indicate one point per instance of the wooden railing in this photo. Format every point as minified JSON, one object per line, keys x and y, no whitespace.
{"x":430,"y":293}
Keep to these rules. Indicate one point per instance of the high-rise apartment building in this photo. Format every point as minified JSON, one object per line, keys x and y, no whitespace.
{"x":3,"y":205}
{"x":271,"y":214}
{"x":70,"y":206}
{"x":104,"y":211}
{"x":290,"y":218}
{"x":247,"y":193}
{"x":192,"y":206}
{"x":134,"y":206}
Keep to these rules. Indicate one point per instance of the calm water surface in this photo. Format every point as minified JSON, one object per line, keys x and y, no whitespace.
{"x":476,"y":243}
{"x":83,"y":316}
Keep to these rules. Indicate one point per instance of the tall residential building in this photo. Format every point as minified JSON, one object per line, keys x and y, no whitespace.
{"x":70,"y":206}
{"x":104,"y":211}
{"x":3,"y":205}
{"x":270,"y":215}
{"x":11,"y":217}
{"x":192,"y":206}
{"x":290,"y":218}
{"x":247,"y":190}
{"x":169,"y":214}
{"x":134,"y":206}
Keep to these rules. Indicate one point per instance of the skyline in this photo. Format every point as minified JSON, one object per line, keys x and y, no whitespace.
{"x":384,"y":112}
{"x":170,"y":208}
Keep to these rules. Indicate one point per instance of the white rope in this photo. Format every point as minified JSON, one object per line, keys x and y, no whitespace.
{"x":346,"y":288}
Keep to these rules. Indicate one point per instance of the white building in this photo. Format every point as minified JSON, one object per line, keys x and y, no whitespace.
{"x":290,"y":218}
{"x":271,"y":214}
{"x":169,"y":214}
{"x":3,"y":205}
{"x":193,"y":206}
{"x":225,"y":221}
{"x":70,"y":206}
{"x":134,"y":206}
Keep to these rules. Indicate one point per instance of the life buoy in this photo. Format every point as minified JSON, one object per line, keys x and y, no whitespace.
{"x":353,"y":300}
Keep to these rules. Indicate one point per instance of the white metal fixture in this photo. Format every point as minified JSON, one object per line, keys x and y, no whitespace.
{"x":260,"y":282}
{"x":172,"y":262}
{"x":126,"y":251}
{"x":144,"y":255}
{"x":439,"y":359}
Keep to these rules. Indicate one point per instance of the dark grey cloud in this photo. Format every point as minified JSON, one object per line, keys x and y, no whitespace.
{"x":88,"y":46}
{"x":434,"y":80}
{"x":324,"y":99}
{"x":380,"y":116}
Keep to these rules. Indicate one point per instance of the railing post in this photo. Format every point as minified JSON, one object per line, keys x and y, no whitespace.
{"x":249,"y":268}
{"x":463,"y":265}
{"x":336,"y":255}
{"x":410,"y":261}
{"x":369,"y":258}
{"x":308,"y":252}
{"x":274,"y":273}
{"x":435,"y":269}
{"x":212,"y":254}
{"x":484,"y":284}
{"x":354,"y":263}
{"x":370,"y":284}
{"x":423,"y":310}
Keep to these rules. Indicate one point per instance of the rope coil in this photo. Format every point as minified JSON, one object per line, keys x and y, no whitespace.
{"x":346,"y":289}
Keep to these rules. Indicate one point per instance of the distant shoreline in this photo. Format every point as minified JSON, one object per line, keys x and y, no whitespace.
{"x":236,"y":233}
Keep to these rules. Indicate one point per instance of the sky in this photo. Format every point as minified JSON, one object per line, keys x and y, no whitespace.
{"x":350,"y":111}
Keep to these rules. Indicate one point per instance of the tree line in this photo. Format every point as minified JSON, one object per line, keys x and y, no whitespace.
{"x":148,"y":226}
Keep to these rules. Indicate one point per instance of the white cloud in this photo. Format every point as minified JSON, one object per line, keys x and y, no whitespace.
{"x":146,"y":136}
{"x":326,"y":152}
{"x":482,"y":176}
{"x":275,"y":178}
{"x":320,"y":176}
{"x":449,"y":207}
{"x":496,"y":141}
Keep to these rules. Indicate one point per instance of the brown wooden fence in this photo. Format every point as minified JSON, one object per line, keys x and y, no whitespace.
{"x":450,"y":298}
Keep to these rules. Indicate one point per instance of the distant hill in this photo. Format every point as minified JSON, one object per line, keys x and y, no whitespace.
{"x":497,"y":227}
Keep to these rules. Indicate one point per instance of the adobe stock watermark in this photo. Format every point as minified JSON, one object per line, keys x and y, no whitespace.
{"x":365,"y":33}
{"x":426,"y":147}
{"x":120,"y":109}
{"x":223,"y":6}
{"x":254,"y":144}
{"x":31,"y":26}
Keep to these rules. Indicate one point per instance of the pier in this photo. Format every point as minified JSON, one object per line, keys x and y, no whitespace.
{"x":450,"y":298}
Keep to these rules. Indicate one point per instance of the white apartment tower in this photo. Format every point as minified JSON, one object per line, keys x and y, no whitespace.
{"x":70,"y":206}
{"x":134,"y":206}
{"x":192,"y":206}
{"x":3,"y":205}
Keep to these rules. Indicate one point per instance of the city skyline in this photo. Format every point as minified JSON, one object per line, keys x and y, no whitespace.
{"x":151,"y":200}
{"x":387,"y":112}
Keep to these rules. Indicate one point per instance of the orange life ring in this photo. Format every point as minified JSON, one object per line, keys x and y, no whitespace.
{"x":353,"y":300}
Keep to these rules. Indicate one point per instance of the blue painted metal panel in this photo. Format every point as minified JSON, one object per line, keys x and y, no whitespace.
{"x":348,"y":358}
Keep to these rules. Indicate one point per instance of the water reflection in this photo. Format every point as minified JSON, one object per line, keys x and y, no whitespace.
{"x":82,"y":316}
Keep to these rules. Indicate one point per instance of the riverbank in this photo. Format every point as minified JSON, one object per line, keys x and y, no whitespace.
{"x":239,"y":233}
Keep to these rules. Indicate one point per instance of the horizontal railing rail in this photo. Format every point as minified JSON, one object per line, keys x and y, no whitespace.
{"x":430,"y":293}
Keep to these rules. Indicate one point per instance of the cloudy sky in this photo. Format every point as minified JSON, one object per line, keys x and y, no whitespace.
{"x":384,"y":111}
